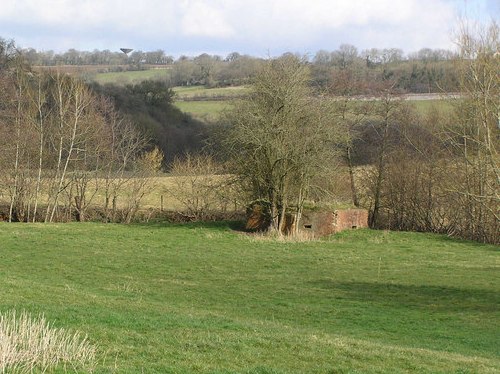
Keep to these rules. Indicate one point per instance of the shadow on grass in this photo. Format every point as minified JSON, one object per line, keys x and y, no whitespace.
{"x":214,"y":225}
{"x":386,"y":236}
{"x":445,"y":299}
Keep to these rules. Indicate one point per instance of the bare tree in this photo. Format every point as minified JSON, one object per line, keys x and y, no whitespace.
{"x":198,"y":184}
{"x":72,"y":100}
{"x":39,"y":100}
{"x":476,"y":135}
{"x":281,"y":137}
{"x":387,"y":109}
{"x":351,"y":113}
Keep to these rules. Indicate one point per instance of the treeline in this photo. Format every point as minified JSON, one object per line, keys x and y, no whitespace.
{"x":428,"y":71}
{"x":433,"y":172}
{"x":424,"y":71}
{"x":344,"y":54}
{"x":95,"y":57}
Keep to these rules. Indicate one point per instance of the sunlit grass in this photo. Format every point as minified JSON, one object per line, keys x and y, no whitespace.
{"x":131,"y":77}
{"x":208,"y":110}
{"x":202,"y":91}
{"x":442,"y":105}
{"x":202,"y":298}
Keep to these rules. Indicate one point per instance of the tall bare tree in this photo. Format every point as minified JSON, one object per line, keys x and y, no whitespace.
{"x":281,"y":137}
{"x":476,"y":135}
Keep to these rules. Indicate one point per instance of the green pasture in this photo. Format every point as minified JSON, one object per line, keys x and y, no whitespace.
{"x":205,"y":298}
{"x":206,"y":110}
{"x":211,"y":109}
{"x":184,"y":92}
{"x":131,"y":77}
{"x":206,"y":103}
{"x":425,"y":106}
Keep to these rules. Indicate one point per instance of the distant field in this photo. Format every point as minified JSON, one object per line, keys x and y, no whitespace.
{"x":201,"y":298}
{"x":424,"y":106}
{"x":80,"y":69}
{"x":207,"y":103}
{"x":190,"y":92}
{"x":131,"y":77}
{"x":208,"y":110}
{"x":211,"y":109}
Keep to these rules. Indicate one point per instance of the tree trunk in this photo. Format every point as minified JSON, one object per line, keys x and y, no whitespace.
{"x":354,"y":190}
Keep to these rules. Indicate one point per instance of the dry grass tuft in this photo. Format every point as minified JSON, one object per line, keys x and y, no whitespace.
{"x":300,"y":237}
{"x":30,"y":343}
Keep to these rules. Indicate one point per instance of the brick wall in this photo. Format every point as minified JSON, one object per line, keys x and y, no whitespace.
{"x":326,"y":223}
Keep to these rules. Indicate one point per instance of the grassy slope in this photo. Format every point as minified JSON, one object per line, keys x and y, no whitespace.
{"x":200,"y":298}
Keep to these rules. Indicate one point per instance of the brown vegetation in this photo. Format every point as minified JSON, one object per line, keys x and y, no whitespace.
{"x":290,"y":142}
{"x":56,"y":135}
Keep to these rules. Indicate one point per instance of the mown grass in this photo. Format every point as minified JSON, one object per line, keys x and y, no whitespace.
{"x":203,"y":298}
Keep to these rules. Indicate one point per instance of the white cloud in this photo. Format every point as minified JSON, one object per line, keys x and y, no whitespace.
{"x":300,"y":25}
{"x":204,"y":18}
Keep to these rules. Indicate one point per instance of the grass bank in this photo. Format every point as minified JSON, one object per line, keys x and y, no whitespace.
{"x":202,"y":298}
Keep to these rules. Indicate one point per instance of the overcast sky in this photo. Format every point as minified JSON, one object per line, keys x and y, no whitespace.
{"x":257,"y":27}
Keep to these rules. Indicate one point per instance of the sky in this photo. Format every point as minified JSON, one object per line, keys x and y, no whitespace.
{"x":260,"y":28}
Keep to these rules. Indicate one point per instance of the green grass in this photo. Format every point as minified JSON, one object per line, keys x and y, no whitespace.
{"x":209,"y":110}
{"x":200,"y":298}
{"x":131,"y":77}
{"x":209,"y":103}
{"x":202,"y":91}
{"x":424,"y":106}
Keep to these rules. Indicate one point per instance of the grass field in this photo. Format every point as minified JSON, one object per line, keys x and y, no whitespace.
{"x":207,"y":110}
{"x":203,"y":298}
{"x":131,"y":77}
{"x":424,"y":106}
{"x":205,"y":107}
{"x":186,"y":92}
{"x":212,"y":101}
{"x":211,"y":109}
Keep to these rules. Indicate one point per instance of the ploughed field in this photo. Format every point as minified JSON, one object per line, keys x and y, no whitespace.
{"x":205,"y":298}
